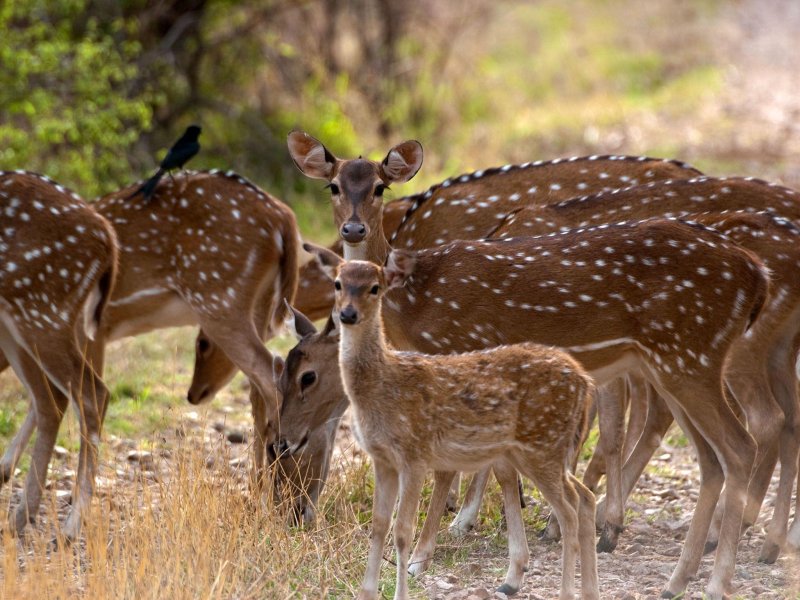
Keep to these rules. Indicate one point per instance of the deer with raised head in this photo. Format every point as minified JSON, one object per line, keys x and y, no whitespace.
{"x":57,"y":268}
{"x":471,"y":295}
{"x":208,"y":249}
{"x":517,"y":407}
{"x":761,"y":384}
{"x":473,"y":205}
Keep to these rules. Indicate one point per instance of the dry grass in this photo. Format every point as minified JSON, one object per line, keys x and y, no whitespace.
{"x":193,"y":533}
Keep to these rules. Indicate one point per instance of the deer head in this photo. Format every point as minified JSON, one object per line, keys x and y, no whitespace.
{"x":309,"y":383}
{"x":356,"y":185}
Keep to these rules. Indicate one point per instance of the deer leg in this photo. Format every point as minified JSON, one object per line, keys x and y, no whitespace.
{"x":612,"y":424}
{"x":597,"y":464}
{"x":783,"y":383}
{"x":411,"y":479}
{"x":468,"y":515}
{"x":586,"y":519}
{"x":564,"y":500}
{"x":384,"y":496}
{"x":746,"y":377}
{"x":638,"y":400}
{"x":452,"y":496}
{"x":518,"y":553}
{"x":70,"y":371}
{"x":50,"y":406}
{"x":659,"y":418}
{"x":423,"y":553}
{"x":11,"y":456}
{"x":729,"y":461}
{"x":245,"y":349}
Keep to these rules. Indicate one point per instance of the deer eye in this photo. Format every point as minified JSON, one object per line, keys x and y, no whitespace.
{"x":338,"y":285}
{"x":203,"y":345}
{"x":307,"y":379}
{"x":379,"y":189}
{"x":333,"y":188}
{"x":374,"y":290}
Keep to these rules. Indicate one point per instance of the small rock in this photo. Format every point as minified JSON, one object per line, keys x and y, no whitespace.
{"x":634,"y":549}
{"x":479,"y":594}
{"x":60,"y":452}
{"x":237,"y":437}
{"x":500,"y":596}
{"x":143,"y":458}
{"x":444,"y":585}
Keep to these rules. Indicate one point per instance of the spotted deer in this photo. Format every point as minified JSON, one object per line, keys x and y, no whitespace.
{"x":517,"y":407}
{"x":473,"y":205}
{"x":552,"y":284}
{"x":57,"y":269}
{"x":757,"y":374}
{"x":208,"y":249}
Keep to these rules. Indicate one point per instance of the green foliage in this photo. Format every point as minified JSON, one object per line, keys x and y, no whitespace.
{"x":66,"y":104}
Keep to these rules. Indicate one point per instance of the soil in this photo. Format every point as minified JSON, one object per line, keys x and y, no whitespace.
{"x":472,"y":567}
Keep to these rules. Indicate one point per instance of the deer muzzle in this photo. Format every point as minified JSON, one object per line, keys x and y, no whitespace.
{"x":353,"y":233}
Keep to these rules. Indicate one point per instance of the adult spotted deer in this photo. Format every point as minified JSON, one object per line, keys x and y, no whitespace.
{"x":208,"y":249}
{"x":757,"y":373}
{"x":470,"y":295}
{"x":517,"y":407}
{"x":57,"y":269}
{"x":473,"y":205}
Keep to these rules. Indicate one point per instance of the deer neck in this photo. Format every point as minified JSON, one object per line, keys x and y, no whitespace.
{"x":374,"y":249}
{"x":362,"y":353}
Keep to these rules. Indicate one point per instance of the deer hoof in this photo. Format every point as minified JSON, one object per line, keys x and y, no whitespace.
{"x":508,"y":590}
{"x":769,"y":553}
{"x":609,"y":538}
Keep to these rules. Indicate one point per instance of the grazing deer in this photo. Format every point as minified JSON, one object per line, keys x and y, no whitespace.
{"x":208,"y":249}
{"x":517,"y":407}
{"x":551,"y":287}
{"x":765,"y":391}
{"x":307,"y":470}
{"x":57,"y":269}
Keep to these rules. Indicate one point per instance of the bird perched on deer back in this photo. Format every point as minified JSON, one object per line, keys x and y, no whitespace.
{"x":180,"y":153}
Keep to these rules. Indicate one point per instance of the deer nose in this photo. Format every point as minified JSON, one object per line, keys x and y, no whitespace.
{"x":281,"y":447}
{"x":348,"y":315}
{"x":353,"y":233}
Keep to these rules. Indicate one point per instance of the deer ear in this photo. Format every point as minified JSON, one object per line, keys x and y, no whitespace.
{"x":298,"y":323}
{"x":399,"y":267}
{"x":331,"y":327}
{"x":327,"y":260}
{"x":402,"y":162}
{"x":277,"y":367}
{"x":310,"y":156}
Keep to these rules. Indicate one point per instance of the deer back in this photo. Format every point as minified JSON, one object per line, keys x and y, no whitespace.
{"x":672,"y":198}
{"x":54,"y":251}
{"x":205,"y":238}
{"x":672,"y":294}
{"x":473,"y":205}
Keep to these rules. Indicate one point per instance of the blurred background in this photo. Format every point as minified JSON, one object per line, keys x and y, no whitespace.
{"x":92,"y":92}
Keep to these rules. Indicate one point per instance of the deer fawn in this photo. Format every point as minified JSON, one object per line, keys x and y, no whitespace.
{"x":209,"y":248}
{"x":57,"y":269}
{"x":515,"y":407}
{"x":757,"y":372}
{"x":612,"y":295}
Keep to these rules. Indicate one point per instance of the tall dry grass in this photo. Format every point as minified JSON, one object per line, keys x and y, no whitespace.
{"x":195,"y":533}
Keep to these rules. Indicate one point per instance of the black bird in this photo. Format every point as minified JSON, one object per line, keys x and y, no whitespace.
{"x":180,"y":153}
